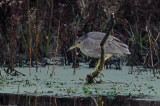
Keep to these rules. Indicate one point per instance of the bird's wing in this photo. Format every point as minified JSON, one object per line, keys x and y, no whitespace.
{"x":96,"y":35}
{"x":93,"y":47}
{"x":88,"y":47}
{"x":112,"y":45}
{"x":115,"y":46}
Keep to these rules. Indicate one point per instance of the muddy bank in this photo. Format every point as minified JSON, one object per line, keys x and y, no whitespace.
{"x":30,"y":100}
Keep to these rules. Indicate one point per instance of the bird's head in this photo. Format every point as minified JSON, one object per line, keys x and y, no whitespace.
{"x":78,"y":42}
{"x":75,"y":45}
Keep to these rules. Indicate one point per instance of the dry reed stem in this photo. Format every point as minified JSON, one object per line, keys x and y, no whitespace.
{"x":29,"y":34}
{"x":30,"y":52}
{"x":151,"y":54}
{"x":50,"y":62}
{"x":75,"y":60}
{"x":37,"y":34}
{"x":50,"y":23}
{"x":53,"y":68}
{"x":36,"y":52}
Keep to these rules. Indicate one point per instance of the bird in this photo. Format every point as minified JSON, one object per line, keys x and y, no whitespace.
{"x":89,"y":45}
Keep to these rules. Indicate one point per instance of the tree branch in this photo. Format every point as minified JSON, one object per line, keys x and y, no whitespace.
{"x":94,"y":74}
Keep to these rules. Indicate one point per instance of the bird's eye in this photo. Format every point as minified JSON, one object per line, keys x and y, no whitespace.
{"x":79,"y":41}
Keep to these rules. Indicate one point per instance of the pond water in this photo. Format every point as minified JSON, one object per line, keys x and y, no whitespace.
{"x":64,"y":84}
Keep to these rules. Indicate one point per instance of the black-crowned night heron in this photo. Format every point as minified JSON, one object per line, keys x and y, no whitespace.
{"x":89,"y":45}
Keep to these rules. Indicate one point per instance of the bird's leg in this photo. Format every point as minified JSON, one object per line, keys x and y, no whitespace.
{"x":107,"y":58}
{"x":96,"y":68}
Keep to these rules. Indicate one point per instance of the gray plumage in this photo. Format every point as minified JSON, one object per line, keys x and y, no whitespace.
{"x":90,"y":45}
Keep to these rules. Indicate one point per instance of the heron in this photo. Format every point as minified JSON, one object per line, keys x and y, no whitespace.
{"x":89,"y":45}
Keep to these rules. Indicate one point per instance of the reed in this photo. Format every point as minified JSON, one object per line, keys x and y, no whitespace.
{"x":29,"y":34}
{"x":150,"y":49}
{"x":50,"y":26}
{"x":77,"y":18}
{"x":37,"y":35}
{"x":50,"y":23}
{"x":53,"y":68}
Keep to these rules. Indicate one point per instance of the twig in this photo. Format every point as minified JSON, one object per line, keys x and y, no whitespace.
{"x":13,"y":72}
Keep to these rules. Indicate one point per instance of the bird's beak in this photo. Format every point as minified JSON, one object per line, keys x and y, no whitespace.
{"x":73,"y":46}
